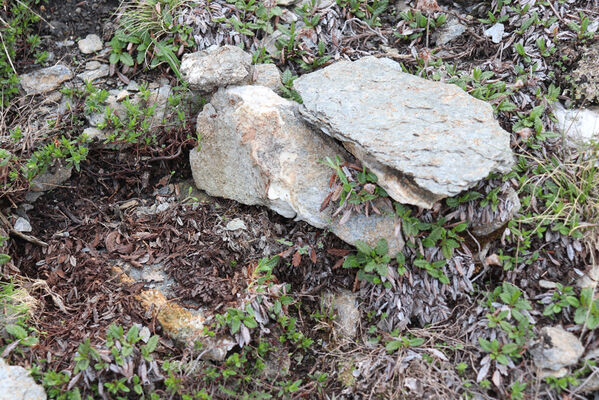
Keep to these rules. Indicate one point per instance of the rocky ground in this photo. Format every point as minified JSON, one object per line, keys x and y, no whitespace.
{"x":194,"y":242}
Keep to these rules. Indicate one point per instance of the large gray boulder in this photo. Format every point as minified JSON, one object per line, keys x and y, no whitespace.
{"x":256,"y":150}
{"x":216,"y":67}
{"x":16,"y":384}
{"x":424,"y":140}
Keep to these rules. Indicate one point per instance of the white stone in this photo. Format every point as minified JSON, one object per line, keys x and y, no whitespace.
{"x":90,"y":44}
{"x":22,"y":225}
{"x":495,"y":32}
{"x":579,"y":126}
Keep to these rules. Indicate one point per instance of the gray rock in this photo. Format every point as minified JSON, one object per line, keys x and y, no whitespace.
{"x":45,"y":79}
{"x":94,"y":134}
{"x":268,"y":75}
{"x":216,"y":67}
{"x":557,"y":349}
{"x":510,"y":206}
{"x":345,"y":305}
{"x":257,"y":151}
{"x":91,"y":75}
{"x":424,"y":140}
{"x":449,"y":31}
{"x":90,"y":44}
{"x":236,"y":224}
{"x":53,"y":177}
{"x":270,"y":44}
{"x":16,"y":384}
{"x":22,"y":225}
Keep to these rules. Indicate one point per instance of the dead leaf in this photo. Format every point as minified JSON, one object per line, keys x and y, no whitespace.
{"x":297,"y":259}
{"x":111,"y":241}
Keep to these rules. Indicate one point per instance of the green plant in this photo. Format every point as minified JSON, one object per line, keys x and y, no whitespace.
{"x":563,"y":297}
{"x":373,"y":263}
{"x":289,"y":92}
{"x":561,"y":384}
{"x":587,"y":314}
{"x":500,"y":353}
{"x":150,"y":28}
{"x":517,"y":390}
{"x":417,"y":24}
{"x":434,"y":269}
{"x":354,"y":193}
{"x":368,"y":11}
{"x":16,"y":43}
{"x":403,"y":343}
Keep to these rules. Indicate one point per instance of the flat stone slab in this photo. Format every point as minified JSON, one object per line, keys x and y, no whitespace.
{"x":45,"y":79}
{"x":424,"y":140}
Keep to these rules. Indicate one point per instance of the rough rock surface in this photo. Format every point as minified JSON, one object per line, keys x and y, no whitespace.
{"x":16,"y":384}
{"x":52,"y":178}
{"x":345,"y":306}
{"x":557,"y":349}
{"x":257,"y":151}
{"x":449,"y":31}
{"x":90,"y":44}
{"x":267,"y":75}
{"x":94,"y":70}
{"x":424,"y":140}
{"x":216,"y":67}
{"x":45,"y":79}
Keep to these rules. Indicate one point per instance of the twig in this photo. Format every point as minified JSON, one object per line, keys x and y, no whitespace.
{"x":29,"y":238}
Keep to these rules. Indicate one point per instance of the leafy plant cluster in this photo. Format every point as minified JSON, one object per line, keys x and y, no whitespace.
{"x":414,"y":25}
{"x":353,"y":188}
{"x":18,"y":43}
{"x":149,"y":35}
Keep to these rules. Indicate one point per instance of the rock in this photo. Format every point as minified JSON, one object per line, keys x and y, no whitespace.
{"x":449,"y":31}
{"x":90,"y":44}
{"x":286,"y":2}
{"x":95,"y":134}
{"x":22,"y":225}
{"x":216,"y":67}
{"x":91,"y":75}
{"x":586,"y":75}
{"x":495,"y":32}
{"x":53,"y":177}
{"x":257,"y":151}
{"x":45,"y":79}
{"x":16,"y":384}
{"x":509,"y":207}
{"x":579,"y":126}
{"x":268,"y":75}
{"x":345,"y":305}
{"x":557,"y":349}
{"x":184,"y":326}
{"x":270,"y":44}
{"x":276,"y":363}
{"x":235,"y":225}
{"x":424,"y":140}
